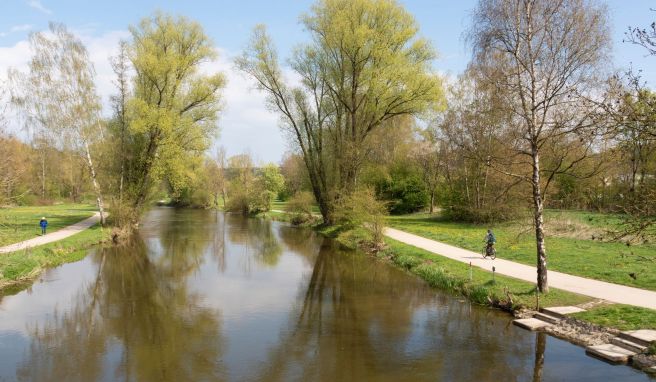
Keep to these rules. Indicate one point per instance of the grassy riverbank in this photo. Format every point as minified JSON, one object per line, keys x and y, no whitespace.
{"x":453,"y":275}
{"x":623,"y":317}
{"x":22,"y":223}
{"x":23,"y":266}
{"x":570,"y":244}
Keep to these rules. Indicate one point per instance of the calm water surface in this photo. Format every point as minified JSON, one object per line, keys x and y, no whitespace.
{"x":205,"y":296}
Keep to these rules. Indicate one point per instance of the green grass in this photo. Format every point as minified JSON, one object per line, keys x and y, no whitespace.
{"x":22,"y":223}
{"x":623,"y":317}
{"x":453,"y":275}
{"x":281,"y":205}
{"x":24,"y":265}
{"x":570,"y":248}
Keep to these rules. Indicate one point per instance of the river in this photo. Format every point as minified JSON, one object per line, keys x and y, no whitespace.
{"x":207,"y":296}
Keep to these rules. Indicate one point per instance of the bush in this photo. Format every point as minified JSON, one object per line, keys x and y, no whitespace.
{"x":406,"y":193}
{"x":362,"y":209}
{"x":300,"y":207}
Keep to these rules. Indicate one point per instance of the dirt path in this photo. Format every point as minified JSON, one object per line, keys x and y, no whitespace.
{"x":54,"y":236}
{"x":599,"y":289}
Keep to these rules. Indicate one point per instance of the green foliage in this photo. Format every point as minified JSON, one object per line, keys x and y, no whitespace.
{"x":172,"y":116}
{"x":300,"y":207}
{"x":375,"y":45}
{"x":361,"y":209}
{"x":271,"y":179}
{"x":406,"y":192}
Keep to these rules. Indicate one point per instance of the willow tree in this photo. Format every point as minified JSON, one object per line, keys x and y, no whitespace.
{"x":59,"y":95}
{"x":364,"y":65}
{"x":173,"y":112}
{"x":542,"y":56}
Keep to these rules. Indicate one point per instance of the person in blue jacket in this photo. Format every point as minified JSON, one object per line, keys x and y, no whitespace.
{"x":43,"y":223}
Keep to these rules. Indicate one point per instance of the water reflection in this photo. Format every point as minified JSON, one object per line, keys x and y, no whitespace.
{"x":137,"y":311}
{"x":205,"y":296}
{"x":358,"y":318}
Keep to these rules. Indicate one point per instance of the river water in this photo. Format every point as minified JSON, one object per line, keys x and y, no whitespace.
{"x":205,"y":296}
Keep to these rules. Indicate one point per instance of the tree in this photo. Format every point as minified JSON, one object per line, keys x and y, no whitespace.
{"x":120,"y":65}
{"x":59,"y":93}
{"x":364,"y":66}
{"x":645,"y":37}
{"x":428,"y":157}
{"x":542,"y":56}
{"x":174,"y":110}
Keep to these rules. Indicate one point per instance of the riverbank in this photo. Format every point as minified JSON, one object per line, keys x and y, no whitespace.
{"x":22,"y":267}
{"x":600,"y":321}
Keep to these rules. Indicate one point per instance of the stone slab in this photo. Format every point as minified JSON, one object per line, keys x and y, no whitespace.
{"x":562,"y":310}
{"x":547,"y":318}
{"x":610,"y":352}
{"x":531,"y":323}
{"x":645,"y":335}
{"x":629,"y":345}
{"x":652,"y":370}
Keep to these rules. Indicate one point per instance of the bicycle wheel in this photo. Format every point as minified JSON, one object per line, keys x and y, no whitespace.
{"x":493,"y":253}
{"x":484,"y":252}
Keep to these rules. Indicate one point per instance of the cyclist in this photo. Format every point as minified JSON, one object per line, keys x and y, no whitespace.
{"x":490,"y":240}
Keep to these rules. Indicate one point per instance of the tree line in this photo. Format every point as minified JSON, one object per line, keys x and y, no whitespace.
{"x":537,"y":120}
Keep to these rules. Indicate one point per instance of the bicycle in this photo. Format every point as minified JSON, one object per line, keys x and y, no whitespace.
{"x":489,"y":251}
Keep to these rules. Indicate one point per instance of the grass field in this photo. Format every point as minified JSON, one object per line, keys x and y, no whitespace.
{"x":22,"y":223}
{"x":623,"y":317}
{"x":570,"y":245}
{"x":24,"y":265}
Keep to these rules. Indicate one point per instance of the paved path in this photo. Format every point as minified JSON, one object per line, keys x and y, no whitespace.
{"x":598,"y":289}
{"x":54,"y":236}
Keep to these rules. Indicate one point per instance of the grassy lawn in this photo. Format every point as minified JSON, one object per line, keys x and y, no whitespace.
{"x":24,"y":265}
{"x":570,"y":247}
{"x":453,"y":275}
{"x":22,"y":223}
{"x":622,"y":317}
{"x":281,"y":206}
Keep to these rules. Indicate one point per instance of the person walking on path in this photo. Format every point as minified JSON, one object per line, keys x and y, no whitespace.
{"x":43,"y":223}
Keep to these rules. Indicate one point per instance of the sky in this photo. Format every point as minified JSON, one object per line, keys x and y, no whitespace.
{"x":245,"y":124}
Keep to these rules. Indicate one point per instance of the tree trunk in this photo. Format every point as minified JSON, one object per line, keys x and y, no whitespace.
{"x":432,"y":201}
{"x":540,"y":345}
{"x":96,"y":186}
{"x":538,"y":212}
{"x":43,"y":174}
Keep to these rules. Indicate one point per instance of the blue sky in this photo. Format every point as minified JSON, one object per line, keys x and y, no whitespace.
{"x":245,"y":124}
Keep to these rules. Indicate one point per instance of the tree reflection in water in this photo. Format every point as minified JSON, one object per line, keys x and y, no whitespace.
{"x":360,"y":320}
{"x":138,"y":310}
{"x":143,"y":318}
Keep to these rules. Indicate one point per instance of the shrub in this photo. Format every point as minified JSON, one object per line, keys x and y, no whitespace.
{"x":362,"y":209}
{"x":406,"y":193}
{"x":300,"y":207}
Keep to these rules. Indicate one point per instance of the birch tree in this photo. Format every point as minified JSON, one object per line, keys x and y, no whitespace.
{"x":59,"y":93}
{"x":542,"y":56}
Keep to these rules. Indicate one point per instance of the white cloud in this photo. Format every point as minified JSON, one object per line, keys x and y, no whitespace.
{"x":36,"y":4}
